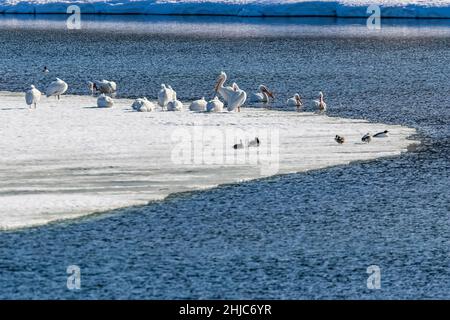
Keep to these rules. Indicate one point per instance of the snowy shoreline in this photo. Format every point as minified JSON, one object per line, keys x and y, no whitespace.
{"x":69,"y":159}
{"x":243,"y":8}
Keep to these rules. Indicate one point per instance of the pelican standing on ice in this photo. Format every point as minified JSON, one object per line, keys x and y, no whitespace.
{"x":198,"y":105}
{"x":214,"y":105}
{"x":233,"y":96}
{"x":56,"y":88}
{"x":32,"y":96}
{"x":295,"y":101}
{"x":104,"y":101}
{"x":174,"y":93}
{"x":92,"y":87}
{"x":165,"y":95}
{"x":262,"y":96}
{"x":103,"y":86}
{"x":320,"y":104}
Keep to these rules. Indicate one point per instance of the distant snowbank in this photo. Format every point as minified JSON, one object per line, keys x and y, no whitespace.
{"x":255,"y":8}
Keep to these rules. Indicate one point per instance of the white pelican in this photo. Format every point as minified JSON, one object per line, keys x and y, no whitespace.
{"x":320,"y":104}
{"x":32,"y":96}
{"x":45,"y":70}
{"x":165,"y":95}
{"x":366,"y":138}
{"x":382,"y":134}
{"x":239,"y":145}
{"x":254,"y":143}
{"x":91,"y":87}
{"x":262,"y":96}
{"x":175,"y":105}
{"x":295,"y":101}
{"x":103,"y":86}
{"x":174,"y":93}
{"x":143,"y":105}
{"x":233,"y":96}
{"x":198,"y":105}
{"x":339,"y":139}
{"x":104,"y":101}
{"x":56,"y":88}
{"x":214,"y":105}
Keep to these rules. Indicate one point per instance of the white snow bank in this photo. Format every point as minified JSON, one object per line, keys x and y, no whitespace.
{"x":337,"y":8}
{"x":67,"y":159}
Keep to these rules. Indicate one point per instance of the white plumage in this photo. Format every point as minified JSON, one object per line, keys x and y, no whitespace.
{"x":32,"y":96}
{"x":175,"y":105}
{"x":320,"y":104}
{"x":165,"y":95}
{"x":233,"y":96}
{"x":143,"y":105}
{"x":198,"y":105}
{"x":103,"y":86}
{"x":91,"y":87}
{"x":295,"y":101}
{"x":262,"y":96}
{"x":174,"y":94}
{"x":214,"y":105}
{"x":104,"y":101}
{"x":56,"y":88}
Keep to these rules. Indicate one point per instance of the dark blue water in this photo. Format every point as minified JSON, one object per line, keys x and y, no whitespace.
{"x":300,"y":236}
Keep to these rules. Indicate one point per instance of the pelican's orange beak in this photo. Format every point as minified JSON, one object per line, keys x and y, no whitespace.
{"x":217,"y":85}
{"x":269,"y":93}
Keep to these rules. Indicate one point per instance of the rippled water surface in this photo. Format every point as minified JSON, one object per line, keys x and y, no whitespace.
{"x":309,"y":235}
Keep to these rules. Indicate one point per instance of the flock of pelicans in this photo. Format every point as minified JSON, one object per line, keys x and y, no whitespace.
{"x":233,"y":96}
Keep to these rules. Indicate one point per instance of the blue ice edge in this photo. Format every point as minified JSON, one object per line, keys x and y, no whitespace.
{"x":300,"y":9}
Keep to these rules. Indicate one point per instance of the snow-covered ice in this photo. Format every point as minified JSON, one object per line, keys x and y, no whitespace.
{"x":336,"y":8}
{"x":69,"y":158}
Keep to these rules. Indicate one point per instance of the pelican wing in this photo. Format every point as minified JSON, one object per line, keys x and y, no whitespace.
{"x":56,"y":88}
{"x":198,"y":105}
{"x":227,"y":93}
{"x":256,"y":97}
{"x":164,"y":96}
{"x":237,"y":100}
{"x":29,"y":97}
